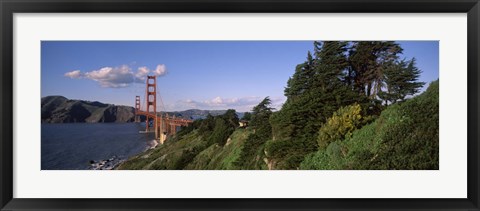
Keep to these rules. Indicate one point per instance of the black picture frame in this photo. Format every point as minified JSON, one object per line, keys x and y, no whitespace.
{"x":9,"y":7}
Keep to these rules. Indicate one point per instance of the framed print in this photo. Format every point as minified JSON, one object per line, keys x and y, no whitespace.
{"x":239,"y":105}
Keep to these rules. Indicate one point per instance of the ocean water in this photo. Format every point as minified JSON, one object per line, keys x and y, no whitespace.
{"x":73,"y":146}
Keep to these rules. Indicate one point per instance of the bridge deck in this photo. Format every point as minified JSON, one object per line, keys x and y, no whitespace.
{"x":168,"y":120}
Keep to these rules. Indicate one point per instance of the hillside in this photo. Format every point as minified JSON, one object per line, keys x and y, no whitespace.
{"x":199,"y":114}
{"x":191,"y":152}
{"x":58,"y":109}
{"x":403,"y":136}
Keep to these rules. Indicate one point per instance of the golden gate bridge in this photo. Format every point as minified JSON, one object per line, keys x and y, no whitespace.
{"x":163,"y":124}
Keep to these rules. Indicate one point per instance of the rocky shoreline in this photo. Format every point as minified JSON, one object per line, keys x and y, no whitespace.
{"x":114,"y":162}
{"x":108,"y":164}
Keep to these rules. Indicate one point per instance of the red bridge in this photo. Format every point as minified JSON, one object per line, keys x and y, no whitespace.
{"x":163,"y":125}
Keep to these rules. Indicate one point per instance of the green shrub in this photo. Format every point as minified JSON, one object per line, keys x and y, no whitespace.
{"x":251,"y":152}
{"x":405,"y":136}
{"x":289,"y":153}
{"x":333,"y":157}
{"x":342,"y":123}
{"x":220,"y":133}
{"x":217,"y":157}
{"x":206,"y":125}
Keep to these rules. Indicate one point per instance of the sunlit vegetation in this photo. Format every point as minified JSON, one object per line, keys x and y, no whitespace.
{"x":350,"y":105}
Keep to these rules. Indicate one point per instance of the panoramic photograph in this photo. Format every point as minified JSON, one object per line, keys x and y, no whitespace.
{"x":240,"y":105}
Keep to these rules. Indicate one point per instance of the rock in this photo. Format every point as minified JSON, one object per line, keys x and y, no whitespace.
{"x":229,"y":140}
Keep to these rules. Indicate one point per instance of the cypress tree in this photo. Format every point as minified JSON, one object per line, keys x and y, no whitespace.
{"x":302,"y":79}
{"x":322,"y":92}
{"x":369,"y":59}
{"x":401,"y":81}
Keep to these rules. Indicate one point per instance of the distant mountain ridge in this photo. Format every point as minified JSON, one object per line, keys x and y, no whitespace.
{"x":59,"y":109}
{"x":199,"y":114}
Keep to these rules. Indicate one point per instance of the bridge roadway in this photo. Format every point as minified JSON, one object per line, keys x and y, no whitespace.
{"x":164,"y":125}
{"x":170,"y":120}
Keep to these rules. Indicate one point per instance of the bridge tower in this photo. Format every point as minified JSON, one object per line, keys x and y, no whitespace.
{"x":164,"y":125}
{"x":151,"y":99}
{"x":137,"y":108}
{"x":160,"y":131}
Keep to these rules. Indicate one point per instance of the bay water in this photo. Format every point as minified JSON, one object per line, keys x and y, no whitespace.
{"x":73,"y":146}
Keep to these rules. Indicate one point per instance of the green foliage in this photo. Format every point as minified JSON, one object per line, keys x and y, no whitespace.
{"x":216,"y":129}
{"x":317,"y":127}
{"x":251,"y":156}
{"x":220,"y":133}
{"x":203,"y":159}
{"x":260,"y":118}
{"x":339,"y":74}
{"x":206,"y":125}
{"x":180,"y":150}
{"x":289,"y":153}
{"x":316,"y":90}
{"x":301,"y":81}
{"x":368,"y":60}
{"x":343,"y":122}
{"x":401,"y":79}
{"x":217,"y":157}
{"x":330,"y":158}
{"x":231,"y":118}
{"x":405,"y":136}
{"x":323,"y":92}
{"x":247,"y":116}
{"x":171,"y":155}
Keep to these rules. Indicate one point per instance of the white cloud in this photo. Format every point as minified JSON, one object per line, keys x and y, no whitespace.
{"x":117,"y":77}
{"x":240,"y":104}
{"x":277,"y":102}
{"x":142,"y":72}
{"x":160,"y":70}
{"x":74,"y":74}
{"x":216,"y":101}
{"x":112,"y":77}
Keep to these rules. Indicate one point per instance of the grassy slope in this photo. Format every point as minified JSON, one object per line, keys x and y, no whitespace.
{"x":221,"y":158}
{"x":405,"y":136}
{"x":166,"y":156}
{"x":190,"y":152}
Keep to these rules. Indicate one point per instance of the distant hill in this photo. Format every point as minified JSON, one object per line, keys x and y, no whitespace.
{"x":200,"y":114}
{"x":58,"y":109}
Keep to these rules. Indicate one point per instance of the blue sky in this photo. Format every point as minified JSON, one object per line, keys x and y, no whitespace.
{"x":191,"y":74}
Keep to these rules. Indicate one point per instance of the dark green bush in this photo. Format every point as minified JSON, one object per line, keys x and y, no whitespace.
{"x":289,"y":153}
{"x":405,"y":136}
{"x":220,"y":133}
{"x":252,"y":149}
